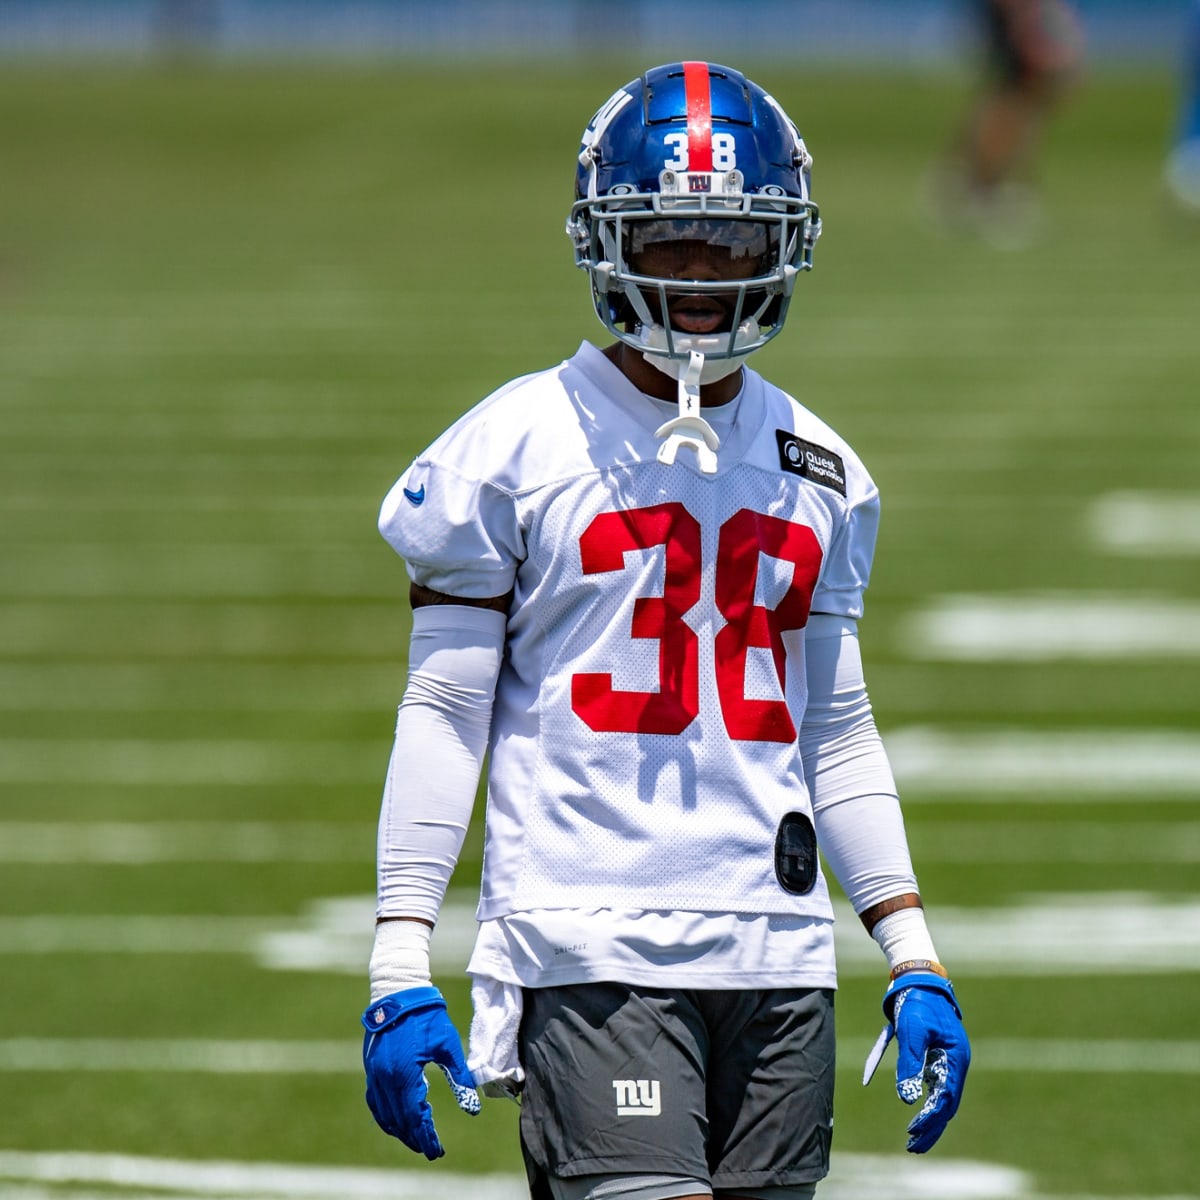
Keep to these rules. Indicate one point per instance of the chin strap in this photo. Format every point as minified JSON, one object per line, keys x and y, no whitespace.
{"x":690,"y":428}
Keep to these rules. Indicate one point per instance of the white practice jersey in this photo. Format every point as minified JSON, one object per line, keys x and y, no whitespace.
{"x":643,"y":744}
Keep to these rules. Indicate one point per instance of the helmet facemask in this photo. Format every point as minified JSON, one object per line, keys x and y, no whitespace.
{"x":643,"y":251}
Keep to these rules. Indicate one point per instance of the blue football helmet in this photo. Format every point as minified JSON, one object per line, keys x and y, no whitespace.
{"x":692,"y":182}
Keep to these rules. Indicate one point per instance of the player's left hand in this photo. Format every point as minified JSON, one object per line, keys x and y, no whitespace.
{"x":933,"y":1051}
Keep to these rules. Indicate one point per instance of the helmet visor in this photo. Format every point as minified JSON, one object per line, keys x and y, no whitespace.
{"x":701,"y":249}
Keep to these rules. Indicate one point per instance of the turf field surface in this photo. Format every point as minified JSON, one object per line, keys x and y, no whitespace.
{"x":235,"y":301}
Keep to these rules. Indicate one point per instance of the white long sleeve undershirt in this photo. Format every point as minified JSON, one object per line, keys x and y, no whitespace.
{"x":856,"y":808}
{"x":441,"y":738}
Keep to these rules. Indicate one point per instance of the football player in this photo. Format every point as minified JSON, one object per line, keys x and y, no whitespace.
{"x":636,"y":582}
{"x":1033,"y":51}
{"x":1182,"y":171}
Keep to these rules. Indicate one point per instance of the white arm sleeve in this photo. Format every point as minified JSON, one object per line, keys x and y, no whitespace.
{"x":856,"y":809}
{"x":441,"y":738}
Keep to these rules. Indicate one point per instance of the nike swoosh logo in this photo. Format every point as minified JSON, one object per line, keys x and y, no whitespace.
{"x":417,"y":498}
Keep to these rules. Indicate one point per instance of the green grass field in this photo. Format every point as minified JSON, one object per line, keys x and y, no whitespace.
{"x":235,"y":301}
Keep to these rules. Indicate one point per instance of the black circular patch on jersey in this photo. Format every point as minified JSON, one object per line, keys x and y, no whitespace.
{"x":796,"y":854}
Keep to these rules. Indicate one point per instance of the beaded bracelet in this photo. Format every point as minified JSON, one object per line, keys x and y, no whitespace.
{"x":920,"y":964}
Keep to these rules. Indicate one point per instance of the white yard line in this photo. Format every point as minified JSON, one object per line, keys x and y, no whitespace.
{"x":1100,"y":842}
{"x":172,"y":686}
{"x":929,"y":761}
{"x":205,"y":1056}
{"x":1033,"y":936}
{"x":89,"y":933}
{"x":30,"y":1176}
{"x":1146,"y":524}
{"x":1043,"y":627}
{"x":176,"y":1177}
{"x":139,"y":842}
{"x":1055,"y":935}
{"x":227,"y":1056}
{"x":1028,"y":765}
{"x":1054,"y":1055}
{"x":173,"y":570}
{"x":186,"y":761}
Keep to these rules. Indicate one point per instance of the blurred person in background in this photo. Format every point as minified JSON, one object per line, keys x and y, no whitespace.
{"x":186,"y":28}
{"x":636,"y":580}
{"x":983,"y":185}
{"x":1183,"y":163}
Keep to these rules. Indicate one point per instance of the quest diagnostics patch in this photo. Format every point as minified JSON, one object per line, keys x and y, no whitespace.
{"x":811,"y":461}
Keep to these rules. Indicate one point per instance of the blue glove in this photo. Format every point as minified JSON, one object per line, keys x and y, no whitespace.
{"x":933,"y":1051}
{"x":405,"y":1031}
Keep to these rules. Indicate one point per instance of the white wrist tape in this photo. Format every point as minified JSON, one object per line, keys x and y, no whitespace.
{"x":400,"y":957}
{"x":903,"y":937}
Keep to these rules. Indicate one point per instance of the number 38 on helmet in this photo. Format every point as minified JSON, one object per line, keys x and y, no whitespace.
{"x":693,"y":215}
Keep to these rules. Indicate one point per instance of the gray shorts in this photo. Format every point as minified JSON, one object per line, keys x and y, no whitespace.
{"x":731,"y":1088}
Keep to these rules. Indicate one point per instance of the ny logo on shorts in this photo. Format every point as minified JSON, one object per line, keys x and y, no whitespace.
{"x":638,"y":1097}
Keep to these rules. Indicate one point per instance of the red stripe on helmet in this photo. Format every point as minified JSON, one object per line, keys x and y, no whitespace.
{"x":699,"y":115}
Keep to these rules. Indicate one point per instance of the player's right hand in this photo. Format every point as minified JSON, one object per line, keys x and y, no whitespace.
{"x":406,"y":1031}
